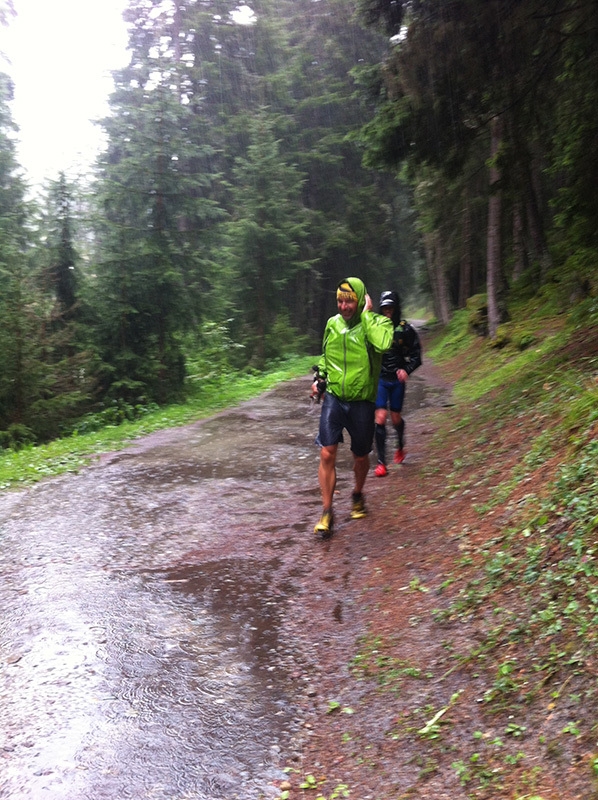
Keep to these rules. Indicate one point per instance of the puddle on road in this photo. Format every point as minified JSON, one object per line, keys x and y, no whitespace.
{"x":202,"y":665}
{"x":151,"y":685}
{"x":238,"y":594}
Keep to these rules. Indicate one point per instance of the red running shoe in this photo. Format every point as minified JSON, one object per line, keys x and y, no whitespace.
{"x":381,"y":470}
{"x":399,"y":456}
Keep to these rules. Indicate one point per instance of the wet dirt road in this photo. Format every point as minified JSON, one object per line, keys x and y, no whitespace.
{"x":147,"y":605}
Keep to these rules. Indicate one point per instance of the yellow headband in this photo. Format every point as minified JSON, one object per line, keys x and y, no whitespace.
{"x":345,"y":292}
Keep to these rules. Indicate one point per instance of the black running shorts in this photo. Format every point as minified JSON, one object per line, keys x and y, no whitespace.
{"x":356,"y":416}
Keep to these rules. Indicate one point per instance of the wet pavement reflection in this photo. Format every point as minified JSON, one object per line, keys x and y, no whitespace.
{"x":143,"y":650}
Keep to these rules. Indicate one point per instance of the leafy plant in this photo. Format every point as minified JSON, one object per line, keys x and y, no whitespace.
{"x":431,"y":730}
{"x":334,"y":705}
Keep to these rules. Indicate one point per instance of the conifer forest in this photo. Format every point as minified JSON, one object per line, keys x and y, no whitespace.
{"x":447,"y":149}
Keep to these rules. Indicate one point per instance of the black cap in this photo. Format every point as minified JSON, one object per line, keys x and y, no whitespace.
{"x":388,"y":299}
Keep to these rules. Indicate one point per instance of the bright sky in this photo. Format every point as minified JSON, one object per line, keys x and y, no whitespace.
{"x":60,"y":55}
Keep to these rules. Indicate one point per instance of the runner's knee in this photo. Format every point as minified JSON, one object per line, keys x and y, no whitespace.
{"x":328,"y":456}
{"x":380,"y":416}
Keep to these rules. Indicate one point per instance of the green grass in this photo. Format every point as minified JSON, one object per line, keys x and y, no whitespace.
{"x":539,"y":575}
{"x":536,"y":379}
{"x":33,"y":463}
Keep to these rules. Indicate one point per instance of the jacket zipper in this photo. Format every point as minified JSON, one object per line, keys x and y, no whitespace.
{"x":344,"y":360}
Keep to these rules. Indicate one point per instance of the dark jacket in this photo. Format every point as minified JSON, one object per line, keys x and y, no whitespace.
{"x":405,"y":352}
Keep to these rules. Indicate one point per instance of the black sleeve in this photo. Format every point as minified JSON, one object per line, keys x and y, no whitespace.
{"x":413,"y":358}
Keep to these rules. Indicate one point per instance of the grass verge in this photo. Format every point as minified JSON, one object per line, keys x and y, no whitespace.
{"x":33,"y":463}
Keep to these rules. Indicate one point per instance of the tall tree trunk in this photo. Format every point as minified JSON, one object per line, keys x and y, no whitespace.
{"x":519,"y":251}
{"x":428,"y":239}
{"x":465,"y":269}
{"x":444,"y":300}
{"x":494,"y":238}
{"x":438,"y":282}
{"x":536,"y":224}
{"x":259,"y":355}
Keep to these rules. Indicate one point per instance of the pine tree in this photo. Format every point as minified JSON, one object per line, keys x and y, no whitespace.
{"x":60,"y":275}
{"x":20,"y":371}
{"x":267,"y":236}
{"x":453,"y":70}
{"x":353,"y":223}
{"x":155,"y":214}
{"x":67,"y":354}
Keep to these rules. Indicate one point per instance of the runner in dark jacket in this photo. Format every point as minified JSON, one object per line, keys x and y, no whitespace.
{"x":403,"y":358}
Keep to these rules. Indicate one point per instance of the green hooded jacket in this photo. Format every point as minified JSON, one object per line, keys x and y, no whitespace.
{"x":352,"y":351}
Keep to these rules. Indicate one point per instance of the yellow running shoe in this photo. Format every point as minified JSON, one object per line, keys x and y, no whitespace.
{"x":323,"y":528}
{"x":358,"y":509}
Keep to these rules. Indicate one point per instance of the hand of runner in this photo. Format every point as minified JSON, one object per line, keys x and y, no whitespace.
{"x":402,"y":375}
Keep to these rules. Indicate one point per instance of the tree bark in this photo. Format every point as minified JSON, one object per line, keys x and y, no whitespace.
{"x":519,"y":251}
{"x":536,"y":224}
{"x":465,"y":268}
{"x":438,"y":281}
{"x":494,"y":236}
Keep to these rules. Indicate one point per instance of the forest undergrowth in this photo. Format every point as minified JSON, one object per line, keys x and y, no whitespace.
{"x":475,"y":673}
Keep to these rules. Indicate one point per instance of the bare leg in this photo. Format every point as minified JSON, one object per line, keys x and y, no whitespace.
{"x":361,"y":466}
{"x":380,"y":416}
{"x":327,"y":474}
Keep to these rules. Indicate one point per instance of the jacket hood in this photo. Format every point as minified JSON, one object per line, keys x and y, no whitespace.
{"x":358,"y":287}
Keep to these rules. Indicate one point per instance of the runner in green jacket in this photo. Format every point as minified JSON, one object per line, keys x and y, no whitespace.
{"x":354,"y":341}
